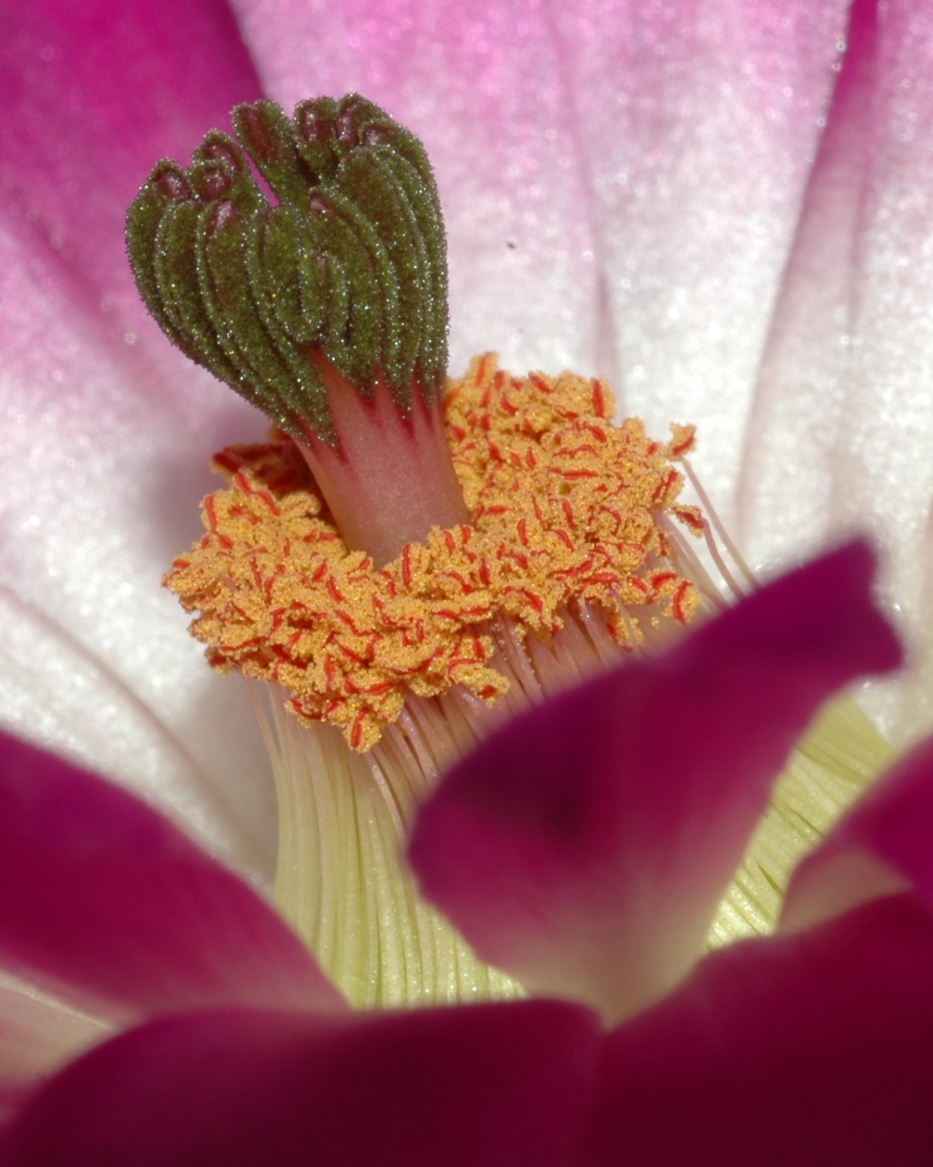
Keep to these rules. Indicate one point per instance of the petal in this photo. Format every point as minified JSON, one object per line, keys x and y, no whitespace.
{"x":696,"y":125}
{"x":104,"y":899}
{"x":584,"y":847}
{"x":14,"y":1092}
{"x":620,"y":180}
{"x":811,"y":1050}
{"x":489,"y":1084}
{"x":38,"y":1033}
{"x":93,"y":95}
{"x":884,"y":844}
{"x":842,"y":431}
{"x":106,"y":427}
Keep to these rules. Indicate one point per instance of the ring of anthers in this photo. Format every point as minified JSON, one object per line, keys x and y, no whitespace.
{"x":566,"y":507}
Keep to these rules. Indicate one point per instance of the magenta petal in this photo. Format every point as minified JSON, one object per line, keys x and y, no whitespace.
{"x":14,"y":1092}
{"x":488,"y":1084}
{"x":584,"y":847}
{"x":812,"y":1050}
{"x":884,"y":844}
{"x":93,"y":94}
{"x":38,"y":1034}
{"x":100,"y":894}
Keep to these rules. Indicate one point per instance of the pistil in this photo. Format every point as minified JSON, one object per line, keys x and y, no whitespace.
{"x":326,"y":309}
{"x":387,"y":478}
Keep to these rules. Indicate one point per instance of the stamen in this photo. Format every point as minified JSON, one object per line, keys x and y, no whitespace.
{"x":566,"y":509}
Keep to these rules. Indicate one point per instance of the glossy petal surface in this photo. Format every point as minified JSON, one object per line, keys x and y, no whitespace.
{"x":812,"y":1050}
{"x":111,"y":903}
{"x":38,"y":1033}
{"x":106,"y":427}
{"x":495,"y":1085}
{"x":583,"y":848}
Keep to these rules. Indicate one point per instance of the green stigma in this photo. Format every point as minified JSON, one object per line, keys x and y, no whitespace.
{"x":348,"y":267}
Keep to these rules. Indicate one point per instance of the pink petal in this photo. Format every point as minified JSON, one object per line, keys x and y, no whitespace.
{"x":812,"y":1050}
{"x":621,"y":180}
{"x":38,"y":1033}
{"x":107,"y":428}
{"x":842,"y":431}
{"x":93,"y":95}
{"x":584,"y":847}
{"x":883,"y":845}
{"x":497,"y":1085}
{"x":104,"y":898}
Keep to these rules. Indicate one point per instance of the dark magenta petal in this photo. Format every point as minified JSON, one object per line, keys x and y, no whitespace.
{"x":584,"y":847}
{"x":103,"y":897}
{"x":14,"y":1092}
{"x":812,"y":1051}
{"x":884,"y":844}
{"x":483,"y":1085}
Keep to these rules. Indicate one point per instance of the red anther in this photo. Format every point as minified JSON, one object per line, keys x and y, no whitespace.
{"x":677,"y":603}
{"x":664,"y":486}
{"x":575,"y":475}
{"x":406,"y":567}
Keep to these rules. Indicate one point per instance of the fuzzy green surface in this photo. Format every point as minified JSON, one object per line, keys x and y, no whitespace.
{"x":349,"y":266}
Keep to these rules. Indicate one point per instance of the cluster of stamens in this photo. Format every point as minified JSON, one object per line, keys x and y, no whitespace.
{"x":565,"y":508}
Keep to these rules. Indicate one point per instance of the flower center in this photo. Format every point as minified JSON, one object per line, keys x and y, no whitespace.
{"x":565,"y":507}
{"x":405,"y":567}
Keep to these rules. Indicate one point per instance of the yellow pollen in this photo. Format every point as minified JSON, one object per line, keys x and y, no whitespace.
{"x":565,"y":508}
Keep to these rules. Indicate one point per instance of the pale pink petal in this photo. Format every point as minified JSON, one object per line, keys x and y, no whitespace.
{"x":106,"y":428}
{"x":584,"y":847}
{"x":39,"y":1033}
{"x":497,"y":1085}
{"x":842,"y":431}
{"x":110,"y":904}
{"x":620,"y":179}
{"x":884,"y":844}
{"x":812,"y":1050}
{"x":696,"y":123}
